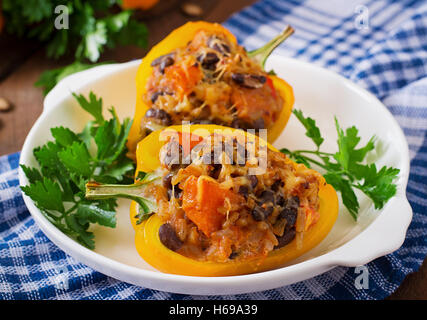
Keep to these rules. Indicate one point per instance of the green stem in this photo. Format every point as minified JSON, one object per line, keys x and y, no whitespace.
{"x":264,"y":52}
{"x":135,"y":192}
{"x":71,"y":209}
{"x":315,"y":162}
{"x":313,"y":152}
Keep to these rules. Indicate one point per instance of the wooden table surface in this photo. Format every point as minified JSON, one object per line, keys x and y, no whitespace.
{"x":22,"y":62}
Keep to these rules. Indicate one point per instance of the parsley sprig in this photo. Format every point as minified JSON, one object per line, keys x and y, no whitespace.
{"x":347,"y":169}
{"x":93,"y":26}
{"x":66,"y":164}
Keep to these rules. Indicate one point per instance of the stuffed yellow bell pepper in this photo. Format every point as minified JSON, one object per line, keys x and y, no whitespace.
{"x":200,"y":74}
{"x":216,"y":201}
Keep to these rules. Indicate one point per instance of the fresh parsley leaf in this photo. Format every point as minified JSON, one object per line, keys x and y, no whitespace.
{"x":379,"y":185}
{"x":66,"y":165}
{"x":32,"y":174}
{"x":103,"y":138}
{"x":344,"y":186}
{"x":77,"y":159}
{"x":80,"y":230}
{"x":133,"y":33}
{"x":117,"y":22}
{"x":93,"y":25}
{"x":64,"y":136}
{"x":111,"y":139}
{"x":309,"y":124}
{"x":86,"y":135}
{"x":93,"y":213}
{"x":58,"y":46}
{"x":46,"y":194}
{"x":119,"y":170}
{"x":346,"y":169}
{"x":93,"y":43}
{"x":47,"y":157}
{"x":36,"y":10}
{"x":93,"y":106}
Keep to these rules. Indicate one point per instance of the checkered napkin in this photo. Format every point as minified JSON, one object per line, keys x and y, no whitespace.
{"x":381,"y":45}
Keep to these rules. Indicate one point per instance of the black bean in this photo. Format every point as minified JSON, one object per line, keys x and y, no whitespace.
{"x":280,"y":200}
{"x":290,"y":211}
{"x":238,"y":77}
{"x":240,"y":124}
{"x":233,"y":255}
{"x":155,"y":95}
{"x":268,"y":210}
{"x":163,"y":62}
{"x":258,"y":213}
{"x":151,"y":113}
{"x":161,"y":116}
{"x":158,"y":60}
{"x":259,"y":78}
{"x":176,"y":193}
{"x":168,"y":61}
{"x":290,"y":215}
{"x":208,"y":60}
{"x":266,"y":196}
{"x":233,"y":109}
{"x":253,"y":180}
{"x":259,"y":124}
{"x":244,"y":191}
{"x":167,"y":180}
{"x":216,"y":171}
{"x":286,"y":238}
{"x":218,"y":45}
{"x":169,"y":238}
{"x":164,"y":117}
{"x":236,"y":123}
{"x":293,"y":202}
{"x":251,"y":81}
{"x":276,"y":185}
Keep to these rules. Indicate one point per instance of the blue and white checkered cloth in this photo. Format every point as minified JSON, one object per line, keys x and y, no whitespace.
{"x":381,"y":45}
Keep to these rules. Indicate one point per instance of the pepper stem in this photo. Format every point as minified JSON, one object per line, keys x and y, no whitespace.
{"x":147,"y":205}
{"x":261,"y":54}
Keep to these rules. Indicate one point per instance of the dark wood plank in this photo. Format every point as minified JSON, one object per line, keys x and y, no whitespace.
{"x":414,"y":287}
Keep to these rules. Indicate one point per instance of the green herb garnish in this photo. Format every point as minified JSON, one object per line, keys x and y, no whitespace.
{"x":66,"y":164}
{"x":92,"y":26}
{"x":347,"y":169}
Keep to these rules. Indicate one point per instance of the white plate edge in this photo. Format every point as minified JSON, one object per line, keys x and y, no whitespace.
{"x":324,"y":262}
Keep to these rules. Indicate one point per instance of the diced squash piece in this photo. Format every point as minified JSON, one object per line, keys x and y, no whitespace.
{"x":201,"y":199}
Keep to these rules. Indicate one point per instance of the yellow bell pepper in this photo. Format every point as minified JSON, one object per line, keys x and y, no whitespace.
{"x":181,"y":36}
{"x":155,"y":253}
{"x":147,"y":239}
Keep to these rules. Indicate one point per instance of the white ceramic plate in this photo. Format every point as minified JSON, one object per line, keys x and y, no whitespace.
{"x":321,"y":94}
